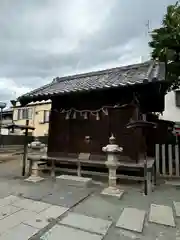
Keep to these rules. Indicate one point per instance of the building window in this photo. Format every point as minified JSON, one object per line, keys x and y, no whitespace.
{"x":25,"y":113}
{"x":29,"y":113}
{"x":19,"y":115}
{"x":177,"y":98}
{"x":46,"y":116}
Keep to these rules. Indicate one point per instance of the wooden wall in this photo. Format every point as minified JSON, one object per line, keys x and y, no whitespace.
{"x":68,"y":135}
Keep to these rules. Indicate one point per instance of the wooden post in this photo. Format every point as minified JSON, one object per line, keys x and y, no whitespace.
{"x":79,"y":168}
{"x":53,"y":168}
{"x":177,"y":159}
{"x":30,"y":168}
{"x":164,"y":159}
{"x":157,"y":147}
{"x":145,"y":175}
{"x":25,"y":149}
{"x":145,"y":162}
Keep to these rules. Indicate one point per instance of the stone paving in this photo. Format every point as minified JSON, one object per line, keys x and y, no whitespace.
{"x":51,"y":210}
{"x":95,"y":217}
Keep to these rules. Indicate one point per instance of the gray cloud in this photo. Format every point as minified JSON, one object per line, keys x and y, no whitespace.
{"x":46,"y":38}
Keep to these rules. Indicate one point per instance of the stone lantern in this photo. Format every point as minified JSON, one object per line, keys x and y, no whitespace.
{"x":112,"y":150}
{"x":37,"y":147}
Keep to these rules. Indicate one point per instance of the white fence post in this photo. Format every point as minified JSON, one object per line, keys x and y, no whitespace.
{"x":170,"y":162}
{"x":160,"y":155}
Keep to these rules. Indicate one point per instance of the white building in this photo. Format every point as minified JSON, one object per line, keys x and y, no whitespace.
{"x":172,"y":106}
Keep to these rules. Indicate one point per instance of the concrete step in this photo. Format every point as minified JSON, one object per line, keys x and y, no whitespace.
{"x":74,"y":180}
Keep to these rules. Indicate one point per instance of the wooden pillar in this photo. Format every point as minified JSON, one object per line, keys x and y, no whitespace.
{"x":177,"y":159}
{"x":145,"y":163}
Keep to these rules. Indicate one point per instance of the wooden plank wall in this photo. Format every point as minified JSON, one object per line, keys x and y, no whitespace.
{"x":69,"y":135}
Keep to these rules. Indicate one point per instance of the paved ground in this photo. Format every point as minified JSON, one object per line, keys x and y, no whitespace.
{"x":53,"y":210}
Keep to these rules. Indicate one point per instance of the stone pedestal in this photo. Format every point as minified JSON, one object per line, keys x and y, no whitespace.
{"x":34,"y":171}
{"x":112,"y":163}
{"x":112,"y":191}
{"x":37,"y":148}
{"x":34,"y":179}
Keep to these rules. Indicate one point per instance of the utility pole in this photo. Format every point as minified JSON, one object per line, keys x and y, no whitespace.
{"x":148,"y":27}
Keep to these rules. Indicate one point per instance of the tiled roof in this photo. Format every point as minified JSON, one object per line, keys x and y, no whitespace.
{"x":110,"y":78}
{"x":18,"y":104}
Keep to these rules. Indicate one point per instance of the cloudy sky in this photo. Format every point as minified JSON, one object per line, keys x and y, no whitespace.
{"x":42,"y":39}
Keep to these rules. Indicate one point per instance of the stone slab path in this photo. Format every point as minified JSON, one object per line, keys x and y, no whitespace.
{"x":25,"y":216}
{"x":22,"y":218}
{"x":161,"y":215}
{"x":18,"y":232}
{"x":94,"y":225}
{"x":69,"y":234}
{"x":132,"y":219}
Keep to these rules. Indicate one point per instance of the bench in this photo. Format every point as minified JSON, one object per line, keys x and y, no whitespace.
{"x":75,"y":165}
{"x":79,"y":163}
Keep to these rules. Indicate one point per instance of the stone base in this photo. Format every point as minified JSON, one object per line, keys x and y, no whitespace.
{"x":114,"y":192}
{"x":74,"y":180}
{"x":34,"y":179}
{"x":173,"y":183}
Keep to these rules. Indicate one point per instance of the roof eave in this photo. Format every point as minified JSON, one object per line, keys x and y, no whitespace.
{"x":24,"y":100}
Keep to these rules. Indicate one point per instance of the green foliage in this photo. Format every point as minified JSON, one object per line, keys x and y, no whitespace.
{"x":165,"y":44}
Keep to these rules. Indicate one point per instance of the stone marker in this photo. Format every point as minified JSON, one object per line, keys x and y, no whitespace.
{"x":94,"y":225}
{"x":161,"y":214}
{"x":131,"y":219}
{"x":177,"y":208}
{"x":74,"y":180}
{"x":113,"y":192}
{"x":69,"y":233}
